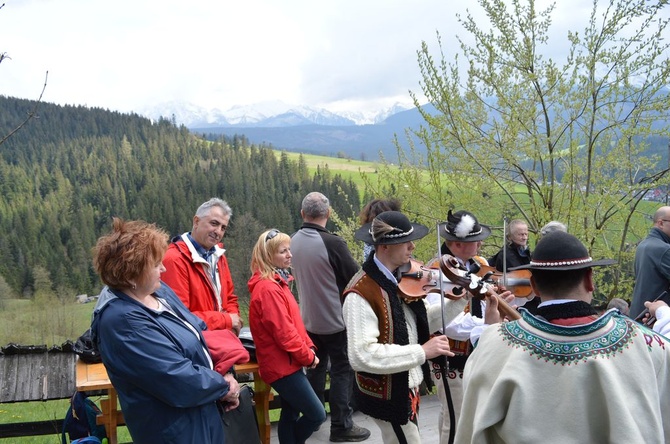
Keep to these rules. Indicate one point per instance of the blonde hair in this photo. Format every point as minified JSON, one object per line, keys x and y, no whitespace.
{"x":266,"y":247}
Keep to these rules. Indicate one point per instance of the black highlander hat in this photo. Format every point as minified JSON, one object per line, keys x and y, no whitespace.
{"x":402,"y":229}
{"x":559,"y":250}
{"x":462,"y":226}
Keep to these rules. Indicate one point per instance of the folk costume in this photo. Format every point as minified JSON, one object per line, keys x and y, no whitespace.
{"x":566,"y":374}
{"x":464,"y":330}
{"x":385,"y":334}
{"x":593,"y":388}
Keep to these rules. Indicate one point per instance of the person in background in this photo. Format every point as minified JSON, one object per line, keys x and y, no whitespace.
{"x":515,"y":252}
{"x":197,"y":270}
{"x":652,"y":263}
{"x":552,"y":226}
{"x":370,"y":211}
{"x":388,"y":336}
{"x":323,"y":266}
{"x":283,"y":347}
{"x":555,"y":370}
{"x":152,"y":346}
{"x":620,"y":305}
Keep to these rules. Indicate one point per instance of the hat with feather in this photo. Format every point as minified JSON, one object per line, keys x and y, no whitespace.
{"x":462,"y":226}
{"x":390,"y":227}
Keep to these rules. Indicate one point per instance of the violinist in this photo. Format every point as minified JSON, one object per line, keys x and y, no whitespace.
{"x":388,"y":336}
{"x":463,"y":235}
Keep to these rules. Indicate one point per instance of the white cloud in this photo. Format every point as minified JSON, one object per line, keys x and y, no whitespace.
{"x":131,"y":54}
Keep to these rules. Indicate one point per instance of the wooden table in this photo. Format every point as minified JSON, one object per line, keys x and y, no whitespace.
{"x":262,"y":397}
{"x":92,"y":377}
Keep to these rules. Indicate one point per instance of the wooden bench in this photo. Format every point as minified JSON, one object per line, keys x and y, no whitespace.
{"x":94,"y":377}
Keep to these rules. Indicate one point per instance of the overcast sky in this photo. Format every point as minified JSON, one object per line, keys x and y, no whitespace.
{"x":126,"y":55}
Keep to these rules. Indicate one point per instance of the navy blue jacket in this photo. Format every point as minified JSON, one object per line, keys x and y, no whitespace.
{"x":160,"y":369}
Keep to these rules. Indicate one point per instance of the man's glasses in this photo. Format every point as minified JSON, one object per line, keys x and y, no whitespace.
{"x":271,"y":234}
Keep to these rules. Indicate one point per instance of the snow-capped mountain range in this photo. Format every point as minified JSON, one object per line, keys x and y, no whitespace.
{"x":264,"y":114}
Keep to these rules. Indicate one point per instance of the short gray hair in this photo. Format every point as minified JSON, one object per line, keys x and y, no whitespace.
{"x":620,"y":304}
{"x":315,"y":205}
{"x":552,"y":226}
{"x":204,"y":209}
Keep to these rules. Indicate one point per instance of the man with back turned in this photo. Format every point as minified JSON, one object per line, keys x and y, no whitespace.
{"x":323,"y":266}
{"x":565,"y":374}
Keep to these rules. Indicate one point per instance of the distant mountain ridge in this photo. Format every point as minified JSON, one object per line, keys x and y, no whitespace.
{"x":299,"y":128}
{"x":264,"y":114}
{"x":362,"y":142}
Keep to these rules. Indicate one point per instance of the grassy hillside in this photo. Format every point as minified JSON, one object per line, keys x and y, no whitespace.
{"x":347,"y":168}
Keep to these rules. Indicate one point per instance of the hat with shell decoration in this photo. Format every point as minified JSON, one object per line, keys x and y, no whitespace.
{"x":558,"y":251}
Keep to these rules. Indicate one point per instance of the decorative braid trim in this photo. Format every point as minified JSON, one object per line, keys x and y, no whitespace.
{"x":392,"y":236}
{"x":584,"y":260}
{"x":474,"y":233}
{"x":591,"y":341}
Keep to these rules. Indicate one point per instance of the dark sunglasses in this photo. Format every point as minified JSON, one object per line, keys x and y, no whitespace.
{"x":271,"y":234}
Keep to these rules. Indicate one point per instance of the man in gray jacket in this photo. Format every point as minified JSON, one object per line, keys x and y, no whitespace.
{"x":652,"y":263}
{"x":323,"y":266}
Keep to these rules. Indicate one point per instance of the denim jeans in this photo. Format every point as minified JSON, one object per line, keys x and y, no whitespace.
{"x":297,"y":396}
{"x":334,"y":346}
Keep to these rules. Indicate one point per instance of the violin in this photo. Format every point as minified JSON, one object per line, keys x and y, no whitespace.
{"x":416,"y":280}
{"x":477,"y":286}
{"x":516,"y":281}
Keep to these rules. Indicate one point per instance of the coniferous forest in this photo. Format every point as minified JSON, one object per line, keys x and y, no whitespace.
{"x":70,"y":169}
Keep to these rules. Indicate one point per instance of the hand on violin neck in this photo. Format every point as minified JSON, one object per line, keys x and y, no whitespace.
{"x":492,"y":314}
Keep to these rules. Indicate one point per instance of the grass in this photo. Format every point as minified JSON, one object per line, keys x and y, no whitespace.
{"x":42,"y":321}
{"x":347,"y":168}
{"x":43,"y":411}
{"x":36,"y":322}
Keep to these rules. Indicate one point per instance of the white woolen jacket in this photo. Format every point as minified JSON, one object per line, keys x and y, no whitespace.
{"x":366,"y":354}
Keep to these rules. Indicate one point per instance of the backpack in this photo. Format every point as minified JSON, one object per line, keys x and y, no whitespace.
{"x":80,"y":420}
{"x":86,"y":349}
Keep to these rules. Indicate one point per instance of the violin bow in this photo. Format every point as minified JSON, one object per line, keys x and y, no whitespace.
{"x":439,"y":277}
{"x":444,"y":362}
{"x":504,"y":270}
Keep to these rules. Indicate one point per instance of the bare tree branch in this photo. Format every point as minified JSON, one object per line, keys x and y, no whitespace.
{"x":32,"y":113}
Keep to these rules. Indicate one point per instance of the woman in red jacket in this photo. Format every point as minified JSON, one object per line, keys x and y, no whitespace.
{"x":283,"y":347}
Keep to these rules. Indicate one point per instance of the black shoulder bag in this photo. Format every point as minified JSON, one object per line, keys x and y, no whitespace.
{"x":240,"y":425}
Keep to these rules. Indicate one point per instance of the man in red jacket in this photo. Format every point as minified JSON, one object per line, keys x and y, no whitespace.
{"x":197,"y":269}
